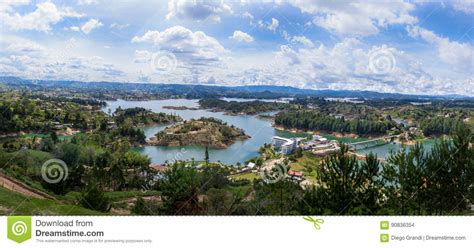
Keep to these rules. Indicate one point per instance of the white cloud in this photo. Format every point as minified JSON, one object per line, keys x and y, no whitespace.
{"x":73,"y":28}
{"x":357,"y":18}
{"x":464,"y":6}
{"x":41,"y":19}
{"x":343,"y":62}
{"x":454,"y":53}
{"x":288,"y":53}
{"x":87,"y":2}
{"x":241,"y":36}
{"x":30,"y":60}
{"x":246,"y":14}
{"x":7,"y":5}
{"x":274,"y":25}
{"x":193,"y":48}
{"x":303,"y":40}
{"x":119,"y":26}
{"x":198,"y":10}
{"x":142,"y":56}
{"x":17,"y":45}
{"x":349,"y":64}
{"x":91,"y":25}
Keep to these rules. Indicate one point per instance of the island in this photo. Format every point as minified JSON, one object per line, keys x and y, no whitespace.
{"x":209,"y":132}
{"x":180,"y":108}
{"x":141,"y":117}
{"x":240,"y":108}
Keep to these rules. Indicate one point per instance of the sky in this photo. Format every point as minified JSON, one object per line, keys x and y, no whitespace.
{"x":413,"y":47}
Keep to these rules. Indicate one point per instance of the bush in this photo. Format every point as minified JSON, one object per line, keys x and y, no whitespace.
{"x":95,"y":199}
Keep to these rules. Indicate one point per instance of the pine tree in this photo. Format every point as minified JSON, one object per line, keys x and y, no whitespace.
{"x":95,"y":199}
{"x":206,"y":155}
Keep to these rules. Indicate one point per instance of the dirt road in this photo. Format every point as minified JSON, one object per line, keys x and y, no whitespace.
{"x":19,"y":187}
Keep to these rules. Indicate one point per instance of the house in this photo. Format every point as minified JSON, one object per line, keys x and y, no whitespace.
{"x":295,"y":175}
{"x":251,"y":165}
{"x":284,"y":145}
{"x":159,"y":167}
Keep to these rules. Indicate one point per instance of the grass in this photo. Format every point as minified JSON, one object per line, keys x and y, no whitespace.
{"x":343,"y":139}
{"x":240,"y":191}
{"x":247,"y":176}
{"x":115,"y":195}
{"x":308,"y":164}
{"x":43,"y":136}
{"x":12,"y":203}
{"x":31,"y":160}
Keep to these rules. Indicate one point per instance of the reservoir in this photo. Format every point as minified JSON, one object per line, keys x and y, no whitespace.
{"x":260,"y":130}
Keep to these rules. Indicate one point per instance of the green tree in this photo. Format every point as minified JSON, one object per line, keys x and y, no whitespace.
{"x":206,"y":155}
{"x":450,"y":174}
{"x":372,"y":184}
{"x":142,"y":207}
{"x":54,"y":137}
{"x":213,"y":177}
{"x":341,"y":177}
{"x":180,"y":187}
{"x":219,"y":202}
{"x":405,"y":173}
{"x":93,"y":198}
{"x":279,"y":198}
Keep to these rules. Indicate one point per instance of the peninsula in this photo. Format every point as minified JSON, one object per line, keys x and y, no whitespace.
{"x":210,"y":132}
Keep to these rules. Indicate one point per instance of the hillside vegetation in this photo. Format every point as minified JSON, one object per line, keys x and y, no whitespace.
{"x":209,"y":132}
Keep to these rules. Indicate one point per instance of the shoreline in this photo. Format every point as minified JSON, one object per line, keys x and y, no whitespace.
{"x":154,"y":142}
{"x":336,"y":134}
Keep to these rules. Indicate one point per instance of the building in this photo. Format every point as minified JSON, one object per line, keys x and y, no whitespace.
{"x":159,"y":170}
{"x":319,"y":139}
{"x":295,"y":175}
{"x":283,"y":145}
{"x":251,"y":165}
{"x":159,"y":167}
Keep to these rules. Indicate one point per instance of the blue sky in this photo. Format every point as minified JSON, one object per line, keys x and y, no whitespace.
{"x":389,"y":46}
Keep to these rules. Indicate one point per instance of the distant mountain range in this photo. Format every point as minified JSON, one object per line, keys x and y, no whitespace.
{"x":250,"y":91}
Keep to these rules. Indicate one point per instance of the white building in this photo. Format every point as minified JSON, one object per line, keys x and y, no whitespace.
{"x":286,"y":146}
{"x":251,"y":165}
{"x":319,"y":139}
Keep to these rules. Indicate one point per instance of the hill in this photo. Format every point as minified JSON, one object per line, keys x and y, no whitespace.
{"x":209,"y":132}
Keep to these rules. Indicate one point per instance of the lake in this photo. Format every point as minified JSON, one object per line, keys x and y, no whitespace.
{"x":260,"y":130}
{"x":384,"y":150}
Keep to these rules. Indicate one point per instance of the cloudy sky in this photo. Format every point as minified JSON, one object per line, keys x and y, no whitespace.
{"x":390,"y":46}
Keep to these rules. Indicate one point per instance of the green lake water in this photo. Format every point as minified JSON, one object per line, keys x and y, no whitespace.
{"x":260,"y":130}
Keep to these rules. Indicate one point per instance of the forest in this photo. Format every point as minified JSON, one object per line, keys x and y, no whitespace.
{"x":314,"y":120}
{"x":246,"y":107}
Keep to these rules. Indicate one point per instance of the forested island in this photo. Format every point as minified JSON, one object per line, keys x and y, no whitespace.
{"x":245,"y":107}
{"x":209,"y":132}
{"x":180,"y":108}
{"x":141,"y":116}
